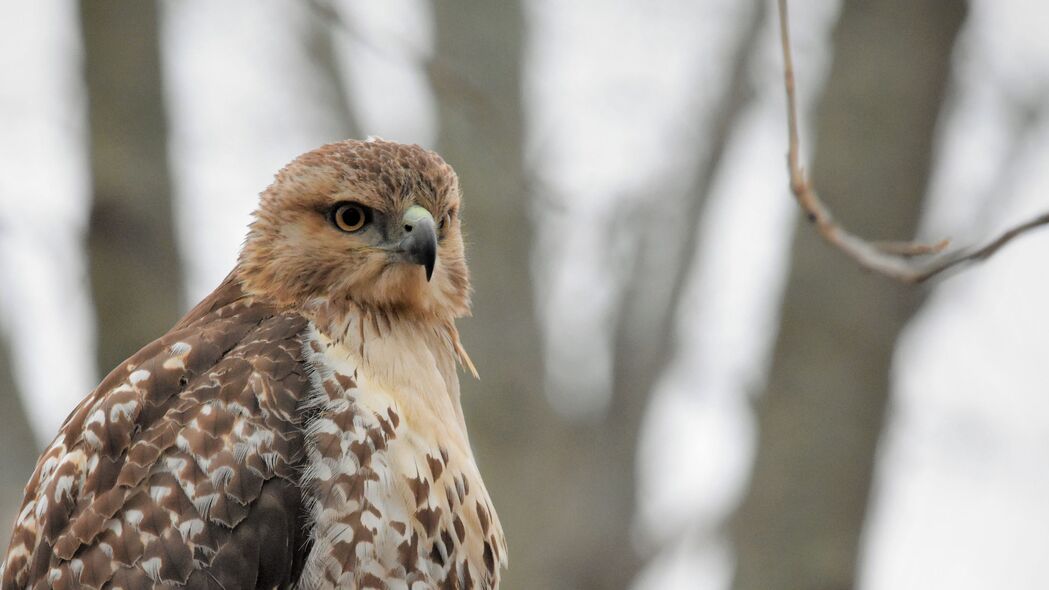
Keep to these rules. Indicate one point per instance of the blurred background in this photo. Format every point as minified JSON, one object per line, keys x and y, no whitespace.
{"x":682,"y":387}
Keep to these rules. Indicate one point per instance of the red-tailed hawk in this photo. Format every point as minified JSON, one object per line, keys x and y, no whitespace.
{"x":301,"y":427}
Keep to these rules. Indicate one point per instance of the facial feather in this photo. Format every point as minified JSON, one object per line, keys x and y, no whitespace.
{"x":295,"y":256}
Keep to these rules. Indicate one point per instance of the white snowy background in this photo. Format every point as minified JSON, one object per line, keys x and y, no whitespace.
{"x":962,"y":486}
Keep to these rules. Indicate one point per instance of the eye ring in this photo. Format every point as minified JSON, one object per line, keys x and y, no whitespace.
{"x":349,"y":217}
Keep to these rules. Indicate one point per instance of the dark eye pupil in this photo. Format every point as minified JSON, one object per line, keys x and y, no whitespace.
{"x":351,"y":216}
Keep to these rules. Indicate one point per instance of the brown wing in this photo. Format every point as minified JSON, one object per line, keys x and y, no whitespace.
{"x":181,"y":468}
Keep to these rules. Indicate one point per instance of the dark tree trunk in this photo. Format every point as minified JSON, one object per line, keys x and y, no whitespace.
{"x":323,"y":25}
{"x":820,"y":418}
{"x":134,"y":263}
{"x":476,"y":74}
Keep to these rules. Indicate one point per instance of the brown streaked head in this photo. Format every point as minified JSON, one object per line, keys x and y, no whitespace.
{"x":373,"y":223}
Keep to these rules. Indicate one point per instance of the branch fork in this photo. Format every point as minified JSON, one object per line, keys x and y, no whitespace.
{"x":906,"y":262}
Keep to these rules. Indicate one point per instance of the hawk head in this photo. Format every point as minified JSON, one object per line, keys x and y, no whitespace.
{"x":368,"y":224}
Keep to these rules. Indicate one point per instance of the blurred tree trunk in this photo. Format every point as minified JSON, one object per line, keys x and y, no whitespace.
{"x":644,"y":338}
{"x":134,"y":263}
{"x":323,"y":26}
{"x":565,"y":491}
{"x":820,"y":418}
{"x":546,"y":475}
{"x":539,"y":468}
{"x":476,"y":73}
{"x":19,"y":449}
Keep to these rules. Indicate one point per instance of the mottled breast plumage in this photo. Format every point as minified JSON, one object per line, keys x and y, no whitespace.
{"x":394,"y":496}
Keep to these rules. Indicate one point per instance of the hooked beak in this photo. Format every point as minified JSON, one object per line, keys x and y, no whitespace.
{"x":420,"y":238}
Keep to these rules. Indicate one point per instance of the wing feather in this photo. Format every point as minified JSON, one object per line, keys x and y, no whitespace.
{"x":181,"y":467}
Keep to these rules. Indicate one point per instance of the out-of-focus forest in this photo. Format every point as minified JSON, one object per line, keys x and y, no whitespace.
{"x":682,"y":385}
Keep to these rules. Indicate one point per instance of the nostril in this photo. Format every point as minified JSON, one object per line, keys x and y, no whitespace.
{"x":407,"y":227}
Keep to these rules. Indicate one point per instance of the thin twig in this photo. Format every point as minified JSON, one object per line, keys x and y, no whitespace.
{"x":895,"y":260}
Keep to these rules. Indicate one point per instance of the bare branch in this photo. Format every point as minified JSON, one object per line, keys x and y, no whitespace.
{"x":895,"y":260}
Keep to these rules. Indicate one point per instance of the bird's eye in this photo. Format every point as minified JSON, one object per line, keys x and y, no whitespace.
{"x":349,"y":217}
